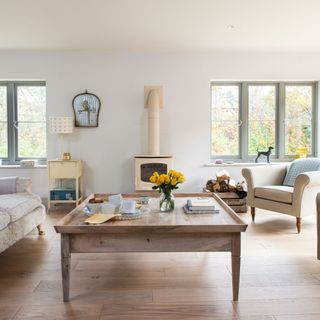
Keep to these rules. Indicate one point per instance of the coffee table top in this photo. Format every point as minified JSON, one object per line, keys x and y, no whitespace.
{"x":158,"y":222}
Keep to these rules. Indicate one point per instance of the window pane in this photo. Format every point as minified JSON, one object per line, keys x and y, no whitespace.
{"x":31,"y":103}
{"x":31,"y":114}
{"x":225,"y":120}
{"x":3,"y":140}
{"x":3,"y":123}
{"x":262,"y":117}
{"x":3,"y":103}
{"x":298,"y":118}
{"x":32,"y":140}
{"x":225,"y":138}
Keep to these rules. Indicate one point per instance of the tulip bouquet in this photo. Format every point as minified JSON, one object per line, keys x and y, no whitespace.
{"x":165,"y":183}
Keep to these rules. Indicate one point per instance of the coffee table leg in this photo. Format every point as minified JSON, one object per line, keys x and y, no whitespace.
{"x":235,"y":264}
{"x":65,"y":265}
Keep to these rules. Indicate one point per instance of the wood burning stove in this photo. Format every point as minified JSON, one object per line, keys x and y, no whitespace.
{"x":146,"y":165}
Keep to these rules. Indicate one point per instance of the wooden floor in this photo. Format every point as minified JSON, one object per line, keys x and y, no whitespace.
{"x":280,"y":279}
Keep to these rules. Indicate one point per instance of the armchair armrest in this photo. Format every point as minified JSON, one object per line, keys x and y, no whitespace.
{"x":306,"y":187}
{"x":311,"y":179}
{"x":263,"y":176}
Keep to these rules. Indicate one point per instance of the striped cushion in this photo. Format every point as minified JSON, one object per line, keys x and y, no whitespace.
{"x":300,"y":166}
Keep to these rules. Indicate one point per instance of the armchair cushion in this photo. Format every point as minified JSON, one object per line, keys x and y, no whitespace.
{"x":4,"y":220}
{"x":275,"y":193}
{"x":300,"y":166}
{"x":17,"y":205}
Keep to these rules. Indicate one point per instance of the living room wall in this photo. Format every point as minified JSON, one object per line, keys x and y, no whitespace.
{"x":119,"y":80}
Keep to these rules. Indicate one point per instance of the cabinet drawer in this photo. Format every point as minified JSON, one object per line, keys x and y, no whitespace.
{"x":64,"y":170}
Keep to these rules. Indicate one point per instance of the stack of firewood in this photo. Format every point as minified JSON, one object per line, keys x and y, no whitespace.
{"x":223,"y":183}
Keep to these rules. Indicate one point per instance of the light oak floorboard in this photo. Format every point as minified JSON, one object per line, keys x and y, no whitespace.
{"x":299,"y":317}
{"x":8,"y":312}
{"x":280,"y":279}
{"x":217,"y":310}
{"x":207,"y":295}
{"x":50,"y":312}
{"x":304,"y":306}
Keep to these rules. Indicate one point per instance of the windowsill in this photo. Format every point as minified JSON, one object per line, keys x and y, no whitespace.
{"x":244,"y":164}
{"x":17,"y":166}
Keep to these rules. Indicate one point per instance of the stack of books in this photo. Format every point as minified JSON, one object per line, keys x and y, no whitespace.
{"x":206,"y":205}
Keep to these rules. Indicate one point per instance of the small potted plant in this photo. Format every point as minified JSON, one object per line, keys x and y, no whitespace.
{"x":165,"y":183}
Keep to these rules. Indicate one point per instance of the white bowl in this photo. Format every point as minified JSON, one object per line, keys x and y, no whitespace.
{"x":94,"y":207}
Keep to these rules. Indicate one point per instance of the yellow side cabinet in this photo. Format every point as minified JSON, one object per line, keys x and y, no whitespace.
{"x":65,"y":182}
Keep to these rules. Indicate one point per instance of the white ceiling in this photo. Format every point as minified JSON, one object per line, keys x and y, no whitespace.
{"x":160,"y":25}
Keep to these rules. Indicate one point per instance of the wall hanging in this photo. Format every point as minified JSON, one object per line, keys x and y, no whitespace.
{"x":86,"y":107}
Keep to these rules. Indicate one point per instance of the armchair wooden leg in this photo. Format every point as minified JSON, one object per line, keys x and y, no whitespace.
{"x":40,"y":228}
{"x":298,"y":224}
{"x":253,"y":213}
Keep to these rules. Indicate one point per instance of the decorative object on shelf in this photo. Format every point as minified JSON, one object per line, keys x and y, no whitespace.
{"x":66,"y":156}
{"x":86,"y":108}
{"x":165,"y":183}
{"x":301,"y":153}
{"x":264,"y":153}
{"x":61,"y":126}
{"x":28,"y":163}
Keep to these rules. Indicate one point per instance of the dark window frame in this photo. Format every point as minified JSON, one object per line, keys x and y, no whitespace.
{"x":12,"y":120}
{"x":279,"y":152}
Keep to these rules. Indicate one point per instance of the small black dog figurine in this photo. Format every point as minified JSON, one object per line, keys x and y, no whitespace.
{"x":265,"y":153}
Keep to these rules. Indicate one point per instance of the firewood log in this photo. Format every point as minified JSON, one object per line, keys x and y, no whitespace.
{"x":222,"y":175}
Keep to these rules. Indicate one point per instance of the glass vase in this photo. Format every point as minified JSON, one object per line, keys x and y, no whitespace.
{"x":166,"y":201}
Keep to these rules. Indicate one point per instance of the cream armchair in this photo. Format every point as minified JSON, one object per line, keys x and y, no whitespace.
{"x":265,"y":191}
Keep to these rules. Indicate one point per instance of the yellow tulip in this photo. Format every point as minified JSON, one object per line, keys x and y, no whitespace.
{"x":177,"y":174}
{"x":174,"y":181}
{"x":170,"y":172}
{"x":153,"y":179}
{"x":181,"y":179}
{"x":161,"y":179}
{"x":167,"y":179}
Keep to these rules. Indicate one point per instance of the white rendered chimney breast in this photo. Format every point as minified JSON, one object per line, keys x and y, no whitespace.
{"x":153,"y":101}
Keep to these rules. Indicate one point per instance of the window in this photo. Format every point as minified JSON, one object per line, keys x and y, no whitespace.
{"x":298,"y":118}
{"x":225,"y":120}
{"x":3,"y":122}
{"x":247,"y":117}
{"x":22,"y":121}
{"x":261,"y":117}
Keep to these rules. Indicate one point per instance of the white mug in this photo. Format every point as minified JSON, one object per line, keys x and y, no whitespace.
{"x":108,"y":208}
{"x":128,"y":206}
{"x":116,"y":199}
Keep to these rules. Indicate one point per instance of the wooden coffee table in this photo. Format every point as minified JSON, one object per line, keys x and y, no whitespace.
{"x":155,"y":232}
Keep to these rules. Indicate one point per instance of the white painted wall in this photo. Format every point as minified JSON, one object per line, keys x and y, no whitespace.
{"x":119,"y":80}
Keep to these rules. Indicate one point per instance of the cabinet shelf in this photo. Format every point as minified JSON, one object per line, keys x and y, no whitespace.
{"x":65,"y":169}
{"x":66,"y":201}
